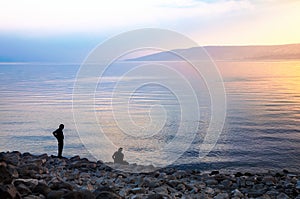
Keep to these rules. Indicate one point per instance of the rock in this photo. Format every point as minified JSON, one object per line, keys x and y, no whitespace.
{"x":9,"y":192}
{"x":279,"y":174}
{"x":75,"y":158}
{"x":162,"y":175}
{"x":181,"y":187}
{"x":259,"y":178}
{"x":291,"y":192}
{"x":13,"y":171}
{"x":137,"y":190}
{"x":294,"y":180}
{"x":265,"y":196}
{"x":291,"y":175}
{"x":55,"y":194}
{"x":37,"y":162}
{"x":90,"y":187}
{"x":214,"y":173}
{"x":210,"y":182}
{"x":200,"y":185}
{"x":189,"y":187}
{"x":88,"y":194}
{"x":147,"y":182}
{"x":32,"y":176}
{"x":194,"y":190}
{"x":220,"y":177}
{"x":288,"y":185}
{"x":106,"y":192}
{"x":285,"y":171}
{"x":282,"y":196}
{"x":298,"y":184}
{"x":173,"y":183}
{"x":269,"y":180}
{"x":273,"y":193}
{"x":157,"y":196}
{"x":61,"y":185}
{"x":209,"y":191}
{"x":138,"y":196}
{"x":180,"y":174}
{"x":26,"y":154}
{"x":43,"y":156}
{"x":259,"y":186}
{"x":202,"y":196}
{"x":34,"y":197}
{"x":171,"y":177}
{"x":256,"y":193}
{"x":30,"y":183}
{"x":226,"y":183}
{"x":41,"y":188}
{"x":237,"y":193}
{"x":222,"y":196}
{"x":177,"y":195}
{"x":33,"y":166}
{"x":76,"y":164}
{"x":11,"y":158}
{"x":238,"y":174}
{"x":249,"y":183}
{"x":3,"y":163}
{"x":24,"y":172}
{"x":73,"y":195}
{"x":82,"y":163}
{"x":161,"y":190}
{"x":248,"y":174}
{"x":138,"y":180}
{"x":5,"y":175}
{"x":234,"y":186}
{"x":84,"y":175}
{"x":23,"y":190}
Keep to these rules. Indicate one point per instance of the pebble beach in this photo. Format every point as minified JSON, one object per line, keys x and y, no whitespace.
{"x":24,"y":175}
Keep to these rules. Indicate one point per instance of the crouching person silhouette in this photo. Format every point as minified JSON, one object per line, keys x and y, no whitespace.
{"x":118,"y":157}
{"x":58,"y":133}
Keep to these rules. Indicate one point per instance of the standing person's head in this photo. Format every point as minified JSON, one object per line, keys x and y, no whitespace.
{"x":61,"y":126}
{"x":120,"y":149}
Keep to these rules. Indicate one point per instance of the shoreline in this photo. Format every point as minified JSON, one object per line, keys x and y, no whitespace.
{"x":23,"y":175}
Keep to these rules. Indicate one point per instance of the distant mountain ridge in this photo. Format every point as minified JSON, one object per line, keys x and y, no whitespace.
{"x":272,"y":52}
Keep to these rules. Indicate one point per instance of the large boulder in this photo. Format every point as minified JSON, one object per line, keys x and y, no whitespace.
{"x":23,"y":190}
{"x":30,"y":183}
{"x":61,"y":185}
{"x":9,"y":192}
{"x":11,"y":158}
{"x":41,"y":188}
{"x":5,"y":175}
{"x":55,"y":194}
{"x":106,"y":192}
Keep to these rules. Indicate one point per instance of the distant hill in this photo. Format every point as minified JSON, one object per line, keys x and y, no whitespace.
{"x":274,"y":52}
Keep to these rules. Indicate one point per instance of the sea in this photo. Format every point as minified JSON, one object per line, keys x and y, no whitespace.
{"x":158,"y":117}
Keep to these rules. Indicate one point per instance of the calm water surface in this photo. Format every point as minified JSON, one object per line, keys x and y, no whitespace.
{"x":261,"y":129}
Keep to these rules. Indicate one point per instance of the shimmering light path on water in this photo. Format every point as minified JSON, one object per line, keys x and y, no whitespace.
{"x":261,"y":130}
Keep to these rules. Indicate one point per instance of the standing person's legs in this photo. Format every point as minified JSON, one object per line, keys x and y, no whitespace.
{"x":60,"y":147}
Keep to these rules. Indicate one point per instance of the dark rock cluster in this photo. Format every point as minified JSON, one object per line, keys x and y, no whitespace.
{"x":41,"y":176}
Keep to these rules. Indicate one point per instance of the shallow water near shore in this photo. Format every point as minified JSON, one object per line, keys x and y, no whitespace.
{"x":261,"y":129}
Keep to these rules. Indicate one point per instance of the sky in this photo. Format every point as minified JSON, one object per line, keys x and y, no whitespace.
{"x":56,"y":30}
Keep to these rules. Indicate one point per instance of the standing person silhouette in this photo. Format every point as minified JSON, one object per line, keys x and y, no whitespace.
{"x":58,"y":133}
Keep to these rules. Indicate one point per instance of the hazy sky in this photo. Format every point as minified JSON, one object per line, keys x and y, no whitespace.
{"x":35,"y":30}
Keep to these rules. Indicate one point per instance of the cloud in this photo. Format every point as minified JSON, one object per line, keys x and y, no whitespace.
{"x":206,"y":21}
{"x":268,"y":22}
{"x":55,"y":16}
